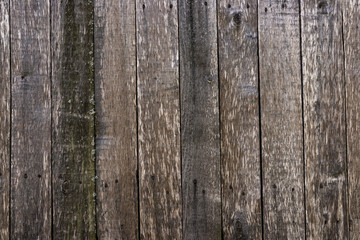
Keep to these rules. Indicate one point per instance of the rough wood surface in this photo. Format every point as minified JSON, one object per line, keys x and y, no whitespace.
{"x":239,"y":111}
{"x":281,"y":120}
{"x":158,"y":119}
{"x":116,"y":141}
{"x":73,"y":160}
{"x":351,"y":17}
{"x":31,"y":120}
{"x":4,"y":119}
{"x":200,"y":135}
{"x":324,"y":119}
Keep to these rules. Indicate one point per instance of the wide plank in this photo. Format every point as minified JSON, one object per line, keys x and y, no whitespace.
{"x":324,"y":119}
{"x":200,"y":134}
{"x":31,"y":120}
{"x":281,"y":120}
{"x":239,"y":111}
{"x":73,"y":159}
{"x":116,"y":129}
{"x":158,"y":119}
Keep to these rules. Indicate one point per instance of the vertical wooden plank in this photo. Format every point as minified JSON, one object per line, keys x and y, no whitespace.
{"x":116,"y":140}
{"x":73,"y":120}
{"x":281,"y":120}
{"x":351,"y":17}
{"x":158,"y":119}
{"x":239,"y":111}
{"x":324,"y":118}
{"x":200,"y":136}
{"x":31,"y":120}
{"x":4,"y":119}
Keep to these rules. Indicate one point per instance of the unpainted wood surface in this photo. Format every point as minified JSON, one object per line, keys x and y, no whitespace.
{"x":158,"y":119}
{"x":239,"y":111}
{"x":200,"y":134}
{"x":116,"y":140}
{"x":73,"y":160}
{"x":324,"y":119}
{"x":31,"y":120}
{"x":351,"y":18}
{"x":4,"y":119}
{"x":281,"y":120}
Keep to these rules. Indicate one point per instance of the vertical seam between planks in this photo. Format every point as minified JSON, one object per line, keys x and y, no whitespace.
{"x":179,"y":81}
{"x":180,"y":132}
{"x":10,"y":113}
{"x":51,"y":124}
{"x":260,"y":132}
{"x":347,"y":196}
{"x":94,"y":118}
{"x":137,"y":124}
{"x":219,"y":108}
{"x":303,"y":118}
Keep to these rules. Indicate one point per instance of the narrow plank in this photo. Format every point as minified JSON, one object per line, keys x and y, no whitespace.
{"x":4,"y":119}
{"x":351,"y":17}
{"x":116,"y":140}
{"x":31,"y":120}
{"x":158,"y":119}
{"x":324,"y":119}
{"x":281,"y":120}
{"x":200,"y":134}
{"x":73,"y":120}
{"x":239,"y":111}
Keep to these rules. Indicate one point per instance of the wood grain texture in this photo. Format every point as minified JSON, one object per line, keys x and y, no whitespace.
{"x":351,"y":18}
{"x":200,"y":134}
{"x":116,"y":140}
{"x":324,"y":118}
{"x":4,"y":119}
{"x":31,"y":120}
{"x":239,"y":111}
{"x":281,"y":120}
{"x":158,"y":119}
{"x":73,"y":159}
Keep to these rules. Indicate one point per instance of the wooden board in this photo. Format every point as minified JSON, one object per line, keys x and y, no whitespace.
{"x":73,"y":159}
{"x":158,"y":119}
{"x":31,"y":120}
{"x":351,"y":17}
{"x":200,"y":135}
{"x":4,"y":119}
{"x":116,"y":140}
{"x":239,"y":111}
{"x":281,"y":120}
{"x":324,"y":118}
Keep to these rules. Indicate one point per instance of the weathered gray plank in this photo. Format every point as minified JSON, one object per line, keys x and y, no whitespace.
{"x":158,"y":119}
{"x":4,"y":119}
{"x":351,"y":17}
{"x":281,"y":120}
{"x":73,"y":120}
{"x":200,"y":135}
{"x":239,"y":111}
{"x":31,"y":120}
{"x":116,"y":140}
{"x":324,"y":118}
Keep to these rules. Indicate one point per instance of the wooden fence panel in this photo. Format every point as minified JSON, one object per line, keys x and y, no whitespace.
{"x":31,"y":120}
{"x":281,"y":120}
{"x":73,"y":158}
{"x":116,"y":128}
{"x":351,"y":17}
{"x":158,"y":119}
{"x":324,"y":118}
{"x":239,"y":111}
{"x":200,"y":134}
{"x":4,"y":119}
